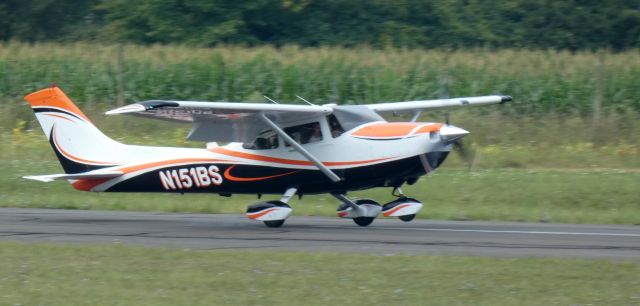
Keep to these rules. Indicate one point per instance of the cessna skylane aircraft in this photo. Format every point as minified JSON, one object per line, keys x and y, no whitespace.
{"x":272,"y":149}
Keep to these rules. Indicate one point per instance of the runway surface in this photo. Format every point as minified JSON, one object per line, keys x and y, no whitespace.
{"x":320,"y":234}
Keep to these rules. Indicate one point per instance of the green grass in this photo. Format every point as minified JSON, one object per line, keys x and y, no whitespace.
{"x":37,"y":274}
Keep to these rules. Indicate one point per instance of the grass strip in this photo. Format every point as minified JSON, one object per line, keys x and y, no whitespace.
{"x":37,"y":274}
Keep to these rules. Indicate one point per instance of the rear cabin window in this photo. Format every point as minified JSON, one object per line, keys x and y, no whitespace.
{"x":265,"y":140}
{"x":305,"y":133}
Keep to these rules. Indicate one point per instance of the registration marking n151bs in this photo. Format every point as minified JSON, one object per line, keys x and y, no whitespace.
{"x":187,"y":178}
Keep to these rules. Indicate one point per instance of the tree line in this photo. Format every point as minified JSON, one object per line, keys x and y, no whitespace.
{"x":450,"y":24}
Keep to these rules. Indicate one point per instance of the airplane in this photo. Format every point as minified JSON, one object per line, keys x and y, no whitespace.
{"x":281,"y":149}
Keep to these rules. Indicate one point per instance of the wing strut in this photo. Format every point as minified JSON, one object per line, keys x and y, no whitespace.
{"x":416,"y":115}
{"x":330,"y":174}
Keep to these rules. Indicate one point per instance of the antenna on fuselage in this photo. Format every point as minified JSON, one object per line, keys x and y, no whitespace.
{"x":271,"y":100}
{"x":305,"y":100}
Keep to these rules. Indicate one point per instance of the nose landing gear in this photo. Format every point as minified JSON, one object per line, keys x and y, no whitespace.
{"x":404,"y":208}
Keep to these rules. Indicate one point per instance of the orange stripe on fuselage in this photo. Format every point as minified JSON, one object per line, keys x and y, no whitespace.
{"x":87,"y":185}
{"x":270,"y":159}
{"x":53,"y":96}
{"x":395,"y":129}
{"x":229,"y":176}
{"x":134,"y":168}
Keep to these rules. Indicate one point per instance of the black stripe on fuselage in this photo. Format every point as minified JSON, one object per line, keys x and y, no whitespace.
{"x":53,"y":110}
{"x":307,"y":181}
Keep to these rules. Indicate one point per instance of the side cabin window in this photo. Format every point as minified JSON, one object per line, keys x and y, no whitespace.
{"x":335,"y":126}
{"x":267,"y":139}
{"x":305,"y":133}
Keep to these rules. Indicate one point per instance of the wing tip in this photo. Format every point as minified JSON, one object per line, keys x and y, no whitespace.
{"x":505,"y":99}
{"x":131,"y":108}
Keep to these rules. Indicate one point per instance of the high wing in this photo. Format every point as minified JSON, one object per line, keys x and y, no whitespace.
{"x":223,"y":121}
{"x":241,"y":122}
{"x":435,"y":104}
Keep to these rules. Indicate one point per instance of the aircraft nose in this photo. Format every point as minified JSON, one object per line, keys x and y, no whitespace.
{"x":449,"y":133}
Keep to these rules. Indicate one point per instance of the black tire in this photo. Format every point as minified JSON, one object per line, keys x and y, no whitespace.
{"x":407,"y":218}
{"x":274,"y":223}
{"x":363,"y":221}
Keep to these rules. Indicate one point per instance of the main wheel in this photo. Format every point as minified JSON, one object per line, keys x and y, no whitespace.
{"x":407,"y":218}
{"x":274,"y":223}
{"x":363,"y":221}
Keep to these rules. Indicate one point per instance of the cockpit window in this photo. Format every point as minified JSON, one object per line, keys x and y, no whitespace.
{"x":305,"y":133}
{"x":335,"y":126}
{"x":267,"y":139}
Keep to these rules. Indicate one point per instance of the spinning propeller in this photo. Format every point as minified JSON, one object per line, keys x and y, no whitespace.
{"x":453,"y":135}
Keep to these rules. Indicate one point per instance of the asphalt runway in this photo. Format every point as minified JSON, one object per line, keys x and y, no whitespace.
{"x":320,"y":234}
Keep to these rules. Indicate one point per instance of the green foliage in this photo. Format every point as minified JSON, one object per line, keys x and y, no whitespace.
{"x":532,"y":24}
{"x":542,"y":82}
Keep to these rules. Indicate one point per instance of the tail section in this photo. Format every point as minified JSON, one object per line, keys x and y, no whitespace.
{"x":78,"y":144}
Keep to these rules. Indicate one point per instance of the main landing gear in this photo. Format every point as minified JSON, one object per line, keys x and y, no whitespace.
{"x":364,"y":211}
{"x":272,"y":213}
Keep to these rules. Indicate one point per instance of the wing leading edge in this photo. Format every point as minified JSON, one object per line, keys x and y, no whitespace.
{"x":435,"y":104}
{"x":191,"y":110}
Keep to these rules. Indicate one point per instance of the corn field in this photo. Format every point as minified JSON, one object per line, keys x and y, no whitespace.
{"x":553,"y":91}
{"x":541,"y":82}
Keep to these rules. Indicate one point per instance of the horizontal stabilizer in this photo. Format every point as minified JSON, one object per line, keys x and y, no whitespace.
{"x":91,"y":175}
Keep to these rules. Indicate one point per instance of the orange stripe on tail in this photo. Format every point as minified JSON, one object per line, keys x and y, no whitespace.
{"x":53,"y":96}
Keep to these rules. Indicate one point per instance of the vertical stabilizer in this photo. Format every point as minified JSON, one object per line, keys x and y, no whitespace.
{"x":78,"y":144}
